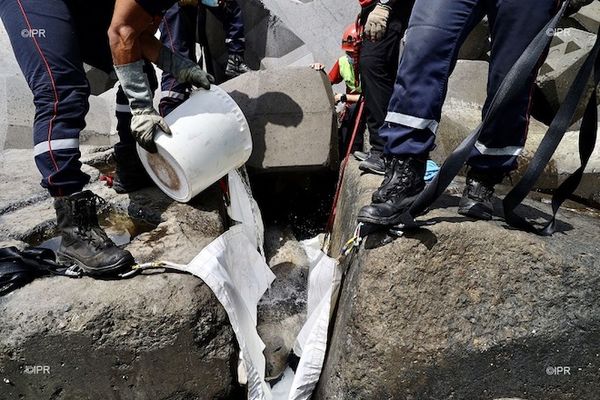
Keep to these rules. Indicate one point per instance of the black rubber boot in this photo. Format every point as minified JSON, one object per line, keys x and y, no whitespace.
{"x":403,"y":183}
{"x":130,"y":174}
{"x":360,"y":155}
{"x":84,"y":242}
{"x":373,"y":163}
{"x":236,"y":66}
{"x":476,"y":201}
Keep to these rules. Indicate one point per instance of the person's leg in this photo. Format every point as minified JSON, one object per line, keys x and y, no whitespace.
{"x":43,"y":37}
{"x":436,"y":30}
{"x":130,"y":174}
{"x":178,"y":33}
{"x":43,"y":40}
{"x":513,"y":25}
{"x":378,"y":66}
{"x":233,"y":24}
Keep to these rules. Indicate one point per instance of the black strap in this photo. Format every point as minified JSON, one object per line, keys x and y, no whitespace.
{"x":512,"y":83}
{"x":18,"y":268}
{"x":556,"y":131}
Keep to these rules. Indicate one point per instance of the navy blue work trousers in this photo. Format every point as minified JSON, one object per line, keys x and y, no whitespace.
{"x":436,"y":31}
{"x":51,"y":41}
{"x":179,"y":31}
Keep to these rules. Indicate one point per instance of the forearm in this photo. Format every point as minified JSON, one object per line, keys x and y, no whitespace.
{"x":129,"y":33}
{"x":353,"y":98}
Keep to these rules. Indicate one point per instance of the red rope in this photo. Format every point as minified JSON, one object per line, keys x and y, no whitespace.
{"x":338,"y":189}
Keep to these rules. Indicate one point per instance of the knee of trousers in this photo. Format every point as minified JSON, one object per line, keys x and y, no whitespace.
{"x":60,"y":116}
{"x":428,"y":46}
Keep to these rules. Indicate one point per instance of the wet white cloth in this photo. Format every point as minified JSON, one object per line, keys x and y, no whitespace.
{"x":234,"y":267}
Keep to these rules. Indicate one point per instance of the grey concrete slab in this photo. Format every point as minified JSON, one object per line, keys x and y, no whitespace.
{"x":567,"y":54}
{"x":589,"y":17}
{"x":290,"y":112}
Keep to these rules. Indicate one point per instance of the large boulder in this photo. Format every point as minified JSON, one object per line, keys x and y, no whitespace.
{"x":465,"y":309}
{"x":162,"y":336}
{"x":291,"y":116}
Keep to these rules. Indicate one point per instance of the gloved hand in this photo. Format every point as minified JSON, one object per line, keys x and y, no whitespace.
{"x":376,"y":24}
{"x":183,"y":69}
{"x":144,"y":125}
{"x":145,"y":119}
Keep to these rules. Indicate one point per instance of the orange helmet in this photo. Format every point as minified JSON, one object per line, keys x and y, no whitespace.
{"x":351,"y":39}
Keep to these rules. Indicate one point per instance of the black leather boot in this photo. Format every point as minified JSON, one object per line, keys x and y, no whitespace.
{"x":236,"y":66}
{"x":373,"y":163}
{"x":84,"y":242}
{"x":401,"y":186}
{"x":476,"y":201}
{"x":130,"y":174}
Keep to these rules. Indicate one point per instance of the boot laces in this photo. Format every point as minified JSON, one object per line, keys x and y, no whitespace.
{"x":480,"y":190}
{"x":86,"y":219}
{"x":407,"y":173}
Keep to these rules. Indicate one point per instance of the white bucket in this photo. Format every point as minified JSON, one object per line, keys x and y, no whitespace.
{"x":210,"y":137}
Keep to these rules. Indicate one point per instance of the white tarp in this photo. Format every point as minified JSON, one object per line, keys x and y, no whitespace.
{"x":236,"y":271}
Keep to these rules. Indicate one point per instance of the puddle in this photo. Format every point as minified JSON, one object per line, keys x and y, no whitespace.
{"x":120,"y":227}
{"x":105,"y":168}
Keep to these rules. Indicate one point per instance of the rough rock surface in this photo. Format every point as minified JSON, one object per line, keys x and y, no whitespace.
{"x":162,"y":336}
{"x":466,"y":309}
{"x":282,"y":309}
{"x":151,"y":337}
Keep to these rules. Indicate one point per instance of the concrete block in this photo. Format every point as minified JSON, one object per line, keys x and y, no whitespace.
{"x":468,"y":83}
{"x":567,"y":54}
{"x":290,"y":112}
{"x":589,"y":17}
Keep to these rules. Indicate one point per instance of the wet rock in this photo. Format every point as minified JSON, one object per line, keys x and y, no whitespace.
{"x":180,"y":230}
{"x":465,"y":309}
{"x":282,"y":310}
{"x":156,"y":336}
{"x":281,"y":314}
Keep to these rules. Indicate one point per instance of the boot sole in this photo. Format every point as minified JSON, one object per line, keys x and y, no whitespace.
{"x":391,"y":220}
{"x":474,"y":210}
{"x":371,"y":170}
{"x":107,"y":270}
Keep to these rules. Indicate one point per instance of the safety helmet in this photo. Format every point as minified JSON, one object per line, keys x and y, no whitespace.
{"x":351,"y":39}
